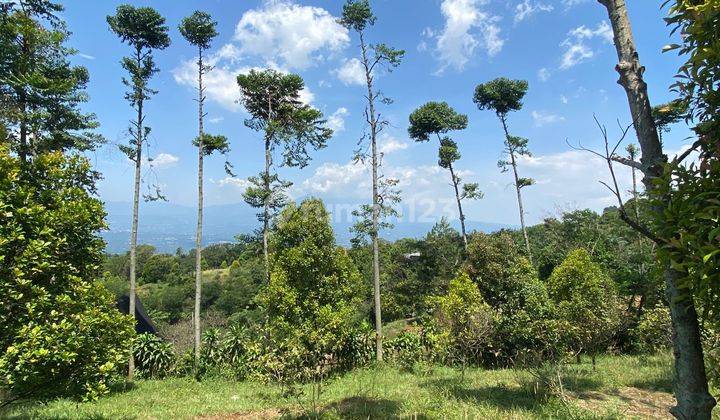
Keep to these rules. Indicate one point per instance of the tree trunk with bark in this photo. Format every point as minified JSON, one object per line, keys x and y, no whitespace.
{"x":518,"y":187}
{"x":373,"y":121}
{"x":139,"y":137}
{"x":459,"y":205}
{"x":691,"y":387}
{"x":198,"y":234}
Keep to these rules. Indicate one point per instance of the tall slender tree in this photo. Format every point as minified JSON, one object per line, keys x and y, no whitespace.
{"x":273,"y":101}
{"x":40,"y":90}
{"x":357,"y":15}
{"x":691,"y":387}
{"x":436,"y":118}
{"x":144,"y":30}
{"x":503,"y":96}
{"x":199,"y":30}
{"x":632,"y":154}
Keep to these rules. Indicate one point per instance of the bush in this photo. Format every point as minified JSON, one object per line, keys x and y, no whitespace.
{"x":586,"y":302}
{"x":313,"y":293}
{"x":154,"y":357}
{"x":60,"y":333}
{"x":464,"y":322}
{"x":406,"y":349}
{"x":653,"y":332}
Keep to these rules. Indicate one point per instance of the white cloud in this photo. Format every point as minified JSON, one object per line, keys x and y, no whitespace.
{"x":576,"y":47}
{"x":528,"y":8}
{"x":239,"y":184}
{"x":351,"y":72}
{"x":543,"y":74}
{"x":543,"y":118}
{"x":389,"y":144}
{"x":571,"y":3}
{"x":306,"y":96}
{"x":564,"y":99}
{"x":466,"y":28}
{"x":298,"y":36}
{"x":220,"y":83}
{"x":86,"y":56}
{"x":164,"y":160}
{"x":336,"y":121}
{"x":215,"y":120}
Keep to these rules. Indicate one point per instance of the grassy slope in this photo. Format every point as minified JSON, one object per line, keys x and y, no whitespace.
{"x":622,"y":387}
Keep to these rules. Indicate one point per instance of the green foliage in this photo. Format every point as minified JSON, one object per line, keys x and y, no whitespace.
{"x":314,"y":288}
{"x":586,"y":301}
{"x":668,"y":114}
{"x":154,"y":358}
{"x":60,"y":333}
{"x":435,"y":118}
{"x":689,"y":227}
{"x":140,"y":27}
{"x":42,"y":92}
{"x":465,"y":322}
{"x":653,"y":333}
{"x":448,"y":152}
{"x":198,"y":29}
{"x":357,"y":15}
{"x":501,"y":95}
{"x":273,"y":101}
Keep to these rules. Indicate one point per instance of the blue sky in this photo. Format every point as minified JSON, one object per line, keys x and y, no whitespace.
{"x":562,"y":47}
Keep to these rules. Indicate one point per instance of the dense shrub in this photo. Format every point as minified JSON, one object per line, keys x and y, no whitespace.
{"x":525,"y":316}
{"x":313,"y":293}
{"x":586,"y":302}
{"x":154,"y":357}
{"x":465,"y":323}
{"x":60,"y":333}
{"x":653,"y":331}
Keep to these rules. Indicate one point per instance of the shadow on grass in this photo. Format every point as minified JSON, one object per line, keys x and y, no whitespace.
{"x":660,"y":383}
{"x":521,"y":396}
{"x":501,"y":396}
{"x":358,"y":407}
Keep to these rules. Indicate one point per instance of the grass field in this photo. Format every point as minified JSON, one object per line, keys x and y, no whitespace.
{"x":621,"y":387}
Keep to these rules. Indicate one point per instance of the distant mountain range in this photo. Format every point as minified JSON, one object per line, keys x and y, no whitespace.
{"x":169,"y":226}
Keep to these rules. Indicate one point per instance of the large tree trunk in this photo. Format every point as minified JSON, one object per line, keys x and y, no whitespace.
{"x":198,"y":234}
{"x":691,"y":388}
{"x":376,"y":201}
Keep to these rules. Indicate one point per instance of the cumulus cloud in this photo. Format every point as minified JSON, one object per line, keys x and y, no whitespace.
{"x":542,"y":118}
{"x":336,"y":121}
{"x":390,"y":144}
{"x":466,"y":28}
{"x":220,"y":83}
{"x":298,"y":36}
{"x":238,"y":184}
{"x":576,"y":45}
{"x":528,"y":8}
{"x":164,"y":160}
{"x":351,"y":72}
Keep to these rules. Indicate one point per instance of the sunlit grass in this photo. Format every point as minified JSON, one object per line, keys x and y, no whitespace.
{"x":387,"y":392}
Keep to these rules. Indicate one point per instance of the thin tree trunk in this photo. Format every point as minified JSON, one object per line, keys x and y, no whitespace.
{"x":266,"y":210}
{"x":376,"y":202}
{"x":691,"y":387}
{"x":635,"y":195}
{"x":134,"y":228}
{"x":198,"y":235}
{"x":459,"y":205}
{"x":517,"y":187}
